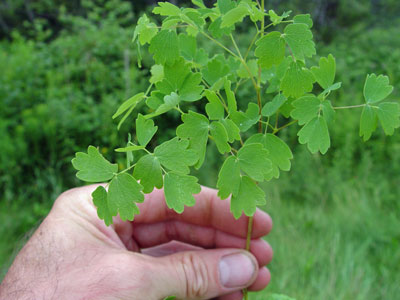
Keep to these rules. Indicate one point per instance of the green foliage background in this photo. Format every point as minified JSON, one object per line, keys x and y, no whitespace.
{"x":65,"y":66}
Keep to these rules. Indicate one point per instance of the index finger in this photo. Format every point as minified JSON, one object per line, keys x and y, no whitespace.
{"x":209,"y":211}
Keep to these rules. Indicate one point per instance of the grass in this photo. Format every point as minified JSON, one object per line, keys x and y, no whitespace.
{"x":345,"y":249}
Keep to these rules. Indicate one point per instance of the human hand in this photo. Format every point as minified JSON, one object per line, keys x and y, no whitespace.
{"x":73,"y":255}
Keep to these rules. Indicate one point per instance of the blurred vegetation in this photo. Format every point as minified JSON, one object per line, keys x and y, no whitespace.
{"x":66,"y":65}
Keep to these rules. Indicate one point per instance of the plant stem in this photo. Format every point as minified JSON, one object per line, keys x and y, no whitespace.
{"x":352,"y":106}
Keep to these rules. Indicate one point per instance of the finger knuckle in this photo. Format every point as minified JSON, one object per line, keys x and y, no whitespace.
{"x":195,"y":275}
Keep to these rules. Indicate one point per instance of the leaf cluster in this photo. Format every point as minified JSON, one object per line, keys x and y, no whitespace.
{"x":275,"y":65}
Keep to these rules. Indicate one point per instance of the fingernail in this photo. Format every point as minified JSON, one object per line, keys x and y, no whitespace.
{"x":236,"y":270}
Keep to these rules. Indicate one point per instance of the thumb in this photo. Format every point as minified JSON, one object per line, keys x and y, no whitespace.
{"x":204,"y":274}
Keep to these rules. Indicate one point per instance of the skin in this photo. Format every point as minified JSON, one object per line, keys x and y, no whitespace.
{"x":73,"y":255}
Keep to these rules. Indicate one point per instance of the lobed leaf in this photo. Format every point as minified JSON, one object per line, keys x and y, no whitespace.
{"x":93,"y":167}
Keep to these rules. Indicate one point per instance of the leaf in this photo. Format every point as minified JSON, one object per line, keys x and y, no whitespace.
{"x":187,"y":46}
{"x":145,"y":30}
{"x":299,"y":38}
{"x":276,"y":19}
{"x":157,"y":73}
{"x":217,"y":31}
{"x":164,"y":47}
{"x":376,"y":88}
{"x":316,"y":135}
{"x":175,"y":156}
{"x":145,"y":130}
{"x":216,"y":69}
{"x":179,"y":79}
{"x":195,"y":127}
{"x":389,"y":116}
{"x":130,"y":148}
{"x":279,"y":152}
{"x":245,"y":120}
{"x":253,"y":160}
{"x":179,"y":190}
{"x":214,"y":109}
{"x":249,"y":196}
{"x":270,"y":49}
{"x":306,"y":108}
{"x":230,"y":97}
{"x":297,"y":81}
{"x":229,"y":178}
{"x":303,"y":19}
{"x":231,"y":129}
{"x":170,"y":102}
{"x":325,"y":73}
{"x":331,"y":88}
{"x":100,"y":200}
{"x":123,"y":194}
{"x":249,"y":71}
{"x":368,"y":122}
{"x":148,"y":171}
{"x":129,"y":104}
{"x":166,"y":9}
{"x":272,"y":107}
{"x":220,"y":136}
{"x":93,"y":167}
{"x":225,"y":5}
{"x":234,"y":16}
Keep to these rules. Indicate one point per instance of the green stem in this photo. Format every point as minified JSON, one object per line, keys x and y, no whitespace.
{"x":219,"y":44}
{"x":352,"y":106}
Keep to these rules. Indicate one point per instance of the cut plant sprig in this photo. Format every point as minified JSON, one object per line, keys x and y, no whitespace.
{"x":217,"y":108}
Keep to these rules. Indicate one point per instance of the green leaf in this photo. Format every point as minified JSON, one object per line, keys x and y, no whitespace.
{"x":155,"y":100}
{"x":299,"y":38}
{"x":270,"y":49}
{"x":316,"y":135}
{"x":331,"y":88}
{"x":100,"y":200}
{"x":214,"y":109}
{"x":217,"y":31}
{"x":276,"y":19}
{"x":229,"y":178}
{"x":245,"y":120}
{"x":129,"y":104}
{"x":170,"y":102}
{"x":93,"y":167}
{"x":145,"y":130}
{"x":175,"y":156}
{"x":325,"y":73}
{"x":230,"y":97}
{"x":164,"y":47}
{"x":148,"y":171}
{"x":123,"y":194}
{"x":195,"y":127}
{"x":389,"y":116}
{"x":272,"y":107}
{"x":216,"y":69}
{"x":220,"y":136}
{"x":306,"y":108}
{"x":231,"y":129}
{"x":328,"y":112}
{"x":145,"y":29}
{"x":179,"y":190}
{"x":253,"y":160}
{"x":368,"y":122}
{"x":166,"y":9}
{"x":234,"y":16}
{"x":249,"y":71}
{"x":303,"y":19}
{"x":376,"y":88}
{"x":179,"y":79}
{"x":188,"y":46}
{"x":130,"y":148}
{"x":297,"y":81}
{"x":225,"y":5}
{"x":249,"y":196}
{"x":157,"y":73}
{"x":278,"y":152}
